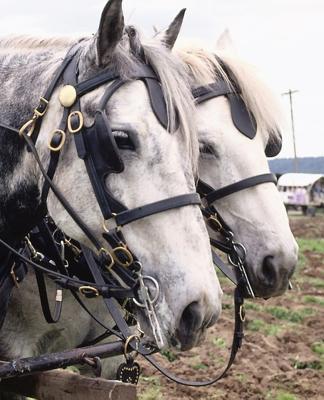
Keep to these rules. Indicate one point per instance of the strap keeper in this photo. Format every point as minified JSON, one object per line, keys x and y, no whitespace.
{"x":41,"y":109}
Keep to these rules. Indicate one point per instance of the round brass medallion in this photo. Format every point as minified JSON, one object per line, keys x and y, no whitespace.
{"x":67,"y":96}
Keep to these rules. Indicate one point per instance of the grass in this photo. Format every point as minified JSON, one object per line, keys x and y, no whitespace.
{"x":315,"y":364}
{"x":312,"y":245}
{"x":151,"y":393}
{"x":313,"y":300}
{"x":219,"y":342}
{"x":249,"y":305}
{"x":169,"y":355}
{"x":280,"y":395}
{"x":285,"y":396}
{"x":284,"y":313}
{"x":258,"y":325}
{"x":153,"y":389}
{"x":318,"y":348}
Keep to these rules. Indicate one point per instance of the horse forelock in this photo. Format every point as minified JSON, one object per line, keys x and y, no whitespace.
{"x":206,"y":67}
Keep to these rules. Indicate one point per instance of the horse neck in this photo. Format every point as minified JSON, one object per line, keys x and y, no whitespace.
{"x":23,"y":79}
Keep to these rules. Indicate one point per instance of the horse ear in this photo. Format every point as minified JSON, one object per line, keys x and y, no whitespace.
{"x":110,"y":30}
{"x":170,"y":36}
{"x":225,"y":42}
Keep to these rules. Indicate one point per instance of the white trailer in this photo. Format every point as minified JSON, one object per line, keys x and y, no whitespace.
{"x":302,"y":191}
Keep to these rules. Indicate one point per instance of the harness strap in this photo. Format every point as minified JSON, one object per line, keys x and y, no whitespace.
{"x":217,"y":194}
{"x":128,"y":216}
{"x":236,"y":344}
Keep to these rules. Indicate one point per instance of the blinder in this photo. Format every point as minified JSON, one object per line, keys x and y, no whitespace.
{"x":243,"y":120}
{"x":274,"y":145}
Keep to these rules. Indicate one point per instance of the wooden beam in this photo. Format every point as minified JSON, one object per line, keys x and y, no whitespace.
{"x":65,"y":385}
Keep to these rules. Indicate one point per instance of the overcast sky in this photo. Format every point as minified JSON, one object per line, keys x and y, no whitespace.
{"x":283,"y":37}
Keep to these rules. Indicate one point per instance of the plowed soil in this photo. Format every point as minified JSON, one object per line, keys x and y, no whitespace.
{"x":282,"y":357}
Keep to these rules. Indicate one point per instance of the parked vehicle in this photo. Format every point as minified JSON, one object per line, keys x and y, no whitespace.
{"x":302,"y":191}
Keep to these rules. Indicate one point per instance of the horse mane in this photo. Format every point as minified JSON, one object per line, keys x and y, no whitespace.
{"x":26,"y":42}
{"x":206,"y":67}
{"x":170,"y":68}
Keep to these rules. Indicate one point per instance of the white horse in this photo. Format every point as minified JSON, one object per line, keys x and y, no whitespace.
{"x":256,"y":215}
{"x":173,"y":246}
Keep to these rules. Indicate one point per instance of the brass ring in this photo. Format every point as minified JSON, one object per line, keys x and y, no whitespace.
{"x":126,"y":253}
{"x":81,"y":121}
{"x":127,"y":342}
{"x":61,"y":144}
{"x":88,"y":290}
{"x":242,"y":313}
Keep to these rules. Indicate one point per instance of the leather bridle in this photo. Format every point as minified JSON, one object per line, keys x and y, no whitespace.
{"x":245,"y":123}
{"x":101,"y":157}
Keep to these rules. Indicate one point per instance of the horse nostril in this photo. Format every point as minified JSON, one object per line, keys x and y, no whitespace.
{"x":191,"y":318}
{"x":269,"y":274}
{"x":190,"y":322}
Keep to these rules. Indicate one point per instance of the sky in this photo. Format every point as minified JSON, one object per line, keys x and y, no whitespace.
{"x":283,"y":38}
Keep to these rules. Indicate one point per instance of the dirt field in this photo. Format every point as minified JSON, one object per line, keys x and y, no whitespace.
{"x":282,"y":357}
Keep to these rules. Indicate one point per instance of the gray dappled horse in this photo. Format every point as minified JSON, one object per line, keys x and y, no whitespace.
{"x":170,"y":245}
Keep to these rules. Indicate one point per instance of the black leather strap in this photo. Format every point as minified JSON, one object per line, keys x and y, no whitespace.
{"x":236,"y":344}
{"x":141,"y":71}
{"x":128,"y":216}
{"x":216,"y":89}
{"x":238,"y":186}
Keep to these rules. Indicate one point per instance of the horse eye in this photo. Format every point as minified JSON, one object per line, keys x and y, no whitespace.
{"x":206,"y":148}
{"x":124,"y":141}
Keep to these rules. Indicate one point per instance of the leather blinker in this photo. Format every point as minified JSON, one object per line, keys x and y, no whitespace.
{"x":242,"y":119}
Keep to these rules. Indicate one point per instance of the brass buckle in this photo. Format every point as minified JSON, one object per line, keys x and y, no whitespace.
{"x":29,"y":126}
{"x":13,"y":275}
{"x":81,"y":121}
{"x":61,"y":144}
{"x":42,"y":102}
{"x":126,"y":253}
{"x":106,"y":253}
{"x":88,"y":291}
{"x":242,"y":313}
{"x":213,"y":220}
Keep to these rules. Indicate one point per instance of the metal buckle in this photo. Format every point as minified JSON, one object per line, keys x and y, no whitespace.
{"x":81,"y":121}
{"x":89,"y":291}
{"x":29,"y":126}
{"x":129,"y":257}
{"x":61,"y":144}
{"x":13,"y":275}
{"x":42,"y":102}
{"x":106,"y":253}
{"x":214,"y":220}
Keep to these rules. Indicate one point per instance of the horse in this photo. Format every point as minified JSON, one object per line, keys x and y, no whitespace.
{"x":161,"y":163}
{"x":231,"y":153}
